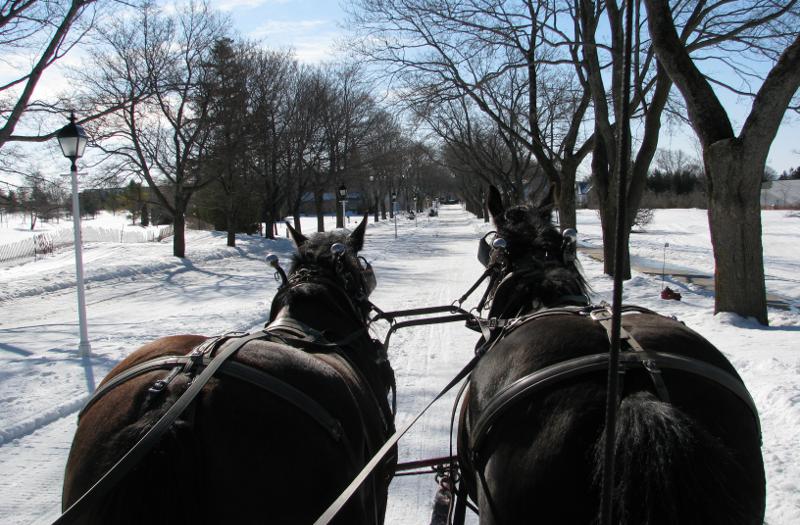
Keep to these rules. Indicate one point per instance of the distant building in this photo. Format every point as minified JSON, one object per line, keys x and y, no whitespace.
{"x":355,"y":203}
{"x":582,"y":188}
{"x":780,"y":194}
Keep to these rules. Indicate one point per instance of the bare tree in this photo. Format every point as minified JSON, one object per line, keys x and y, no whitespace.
{"x":384,"y":155}
{"x":511,"y":59}
{"x":598,"y":58}
{"x":157,"y":65}
{"x":42,"y":31}
{"x":734,"y":163}
{"x":347,"y":117}
{"x":482,"y":150}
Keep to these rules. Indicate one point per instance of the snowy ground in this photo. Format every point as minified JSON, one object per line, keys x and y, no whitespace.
{"x":137,"y":292}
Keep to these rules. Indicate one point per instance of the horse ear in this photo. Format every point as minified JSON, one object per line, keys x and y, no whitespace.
{"x":298,"y":238}
{"x":356,"y":239}
{"x":495,"y":203}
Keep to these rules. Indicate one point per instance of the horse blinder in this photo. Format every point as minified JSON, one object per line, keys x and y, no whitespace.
{"x":368,"y":280}
{"x":486,"y":249}
{"x":368,"y":275}
{"x":569,"y":245}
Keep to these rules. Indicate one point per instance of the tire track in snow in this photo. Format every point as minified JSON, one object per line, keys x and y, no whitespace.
{"x":427,"y":357}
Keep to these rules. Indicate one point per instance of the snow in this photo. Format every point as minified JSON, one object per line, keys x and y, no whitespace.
{"x":138,"y":292}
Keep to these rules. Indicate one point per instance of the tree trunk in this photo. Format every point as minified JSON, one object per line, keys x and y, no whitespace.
{"x":383,"y":208}
{"x":608,"y":225}
{"x":375,"y":209}
{"x":178,"y":238}
{"x":269,"y":226}
{"x":319,"y":210}
{"x":231,"y":220}
{"x":298,"y":226}
{"x":606,"y":190}
{"x":734,"y":217}
{"x":566,"y":196}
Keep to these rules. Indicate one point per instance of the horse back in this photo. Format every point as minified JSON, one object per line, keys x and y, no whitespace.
{"x":238,"y":454}
{"x":545,"y":453}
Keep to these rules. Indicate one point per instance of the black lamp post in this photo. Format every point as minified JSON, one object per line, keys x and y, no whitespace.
{"x":73,"y":138}
{"x":342,"y":191}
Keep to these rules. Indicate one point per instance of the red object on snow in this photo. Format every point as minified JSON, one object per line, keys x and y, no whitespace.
{"x":669,"y":293}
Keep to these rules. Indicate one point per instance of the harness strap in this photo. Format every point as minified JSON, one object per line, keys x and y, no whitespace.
{"x":286,"y":392}
{"x":293,"y":331}
{"x":142,"y":368}
{"x":553,"y":374}
{"x":153,"y":435}
{"x":605,"y":319}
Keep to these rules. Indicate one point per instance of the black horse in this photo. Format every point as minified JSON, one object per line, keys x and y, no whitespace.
{"x":275,"y":435}
{"x":531,"y":436}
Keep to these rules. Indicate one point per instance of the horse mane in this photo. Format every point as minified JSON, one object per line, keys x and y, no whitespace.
{"x":536,"y":246}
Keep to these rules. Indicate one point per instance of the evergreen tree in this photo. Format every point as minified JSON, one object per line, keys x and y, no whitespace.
{"x":233,"y":205}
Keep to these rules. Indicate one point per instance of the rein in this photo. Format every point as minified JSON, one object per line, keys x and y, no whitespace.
{"x":456,"y":314}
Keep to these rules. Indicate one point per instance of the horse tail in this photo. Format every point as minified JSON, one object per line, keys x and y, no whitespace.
{"x":671,"y":470}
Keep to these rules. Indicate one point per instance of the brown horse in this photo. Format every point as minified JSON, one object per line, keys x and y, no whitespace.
{"x":531,"y":438}
{"x":275,"y":435}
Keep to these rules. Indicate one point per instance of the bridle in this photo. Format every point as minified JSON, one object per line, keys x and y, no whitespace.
{"x":495,"y":257}
{"x":354,"y":290}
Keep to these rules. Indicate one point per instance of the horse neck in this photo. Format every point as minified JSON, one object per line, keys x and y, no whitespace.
{"x":324,"y":313}
{"x":338,"y":322}
{"x":526,"y":297}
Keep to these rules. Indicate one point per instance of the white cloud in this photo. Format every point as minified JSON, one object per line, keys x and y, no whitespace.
{"x":284,"y":29}
{"x":230,"y":5}
{"x":312,"y":40}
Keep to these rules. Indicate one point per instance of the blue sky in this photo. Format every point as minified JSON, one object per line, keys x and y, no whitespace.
{"x":310,"y":27}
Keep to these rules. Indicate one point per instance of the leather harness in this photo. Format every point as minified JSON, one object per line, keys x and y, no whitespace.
{"x":525,"y":387}
{"x":213,"y":357}
{"x":652,"y":362}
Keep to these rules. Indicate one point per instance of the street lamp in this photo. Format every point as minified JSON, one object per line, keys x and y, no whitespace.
{"x":72,"y":138}
{"x":343,"y":198}
{"x":374,"y":195}
{"x":394,"y":212}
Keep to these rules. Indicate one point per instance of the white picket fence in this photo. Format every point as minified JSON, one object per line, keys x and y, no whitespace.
{"x":45,"y":243}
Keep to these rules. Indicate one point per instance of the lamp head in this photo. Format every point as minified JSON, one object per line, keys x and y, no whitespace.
{"x":72,"y":138}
